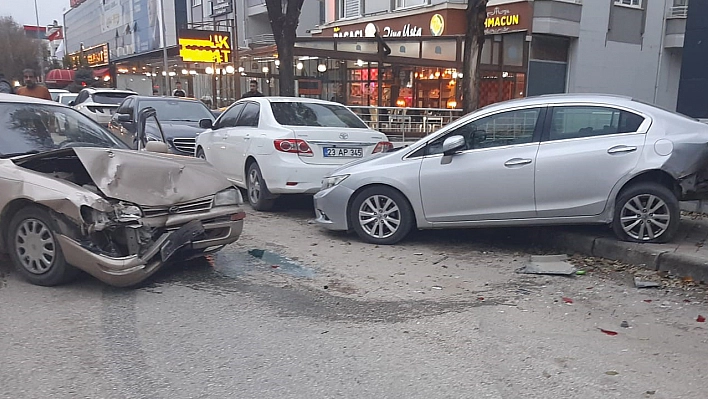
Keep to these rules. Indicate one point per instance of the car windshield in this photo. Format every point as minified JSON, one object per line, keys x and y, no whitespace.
{"x":34,"y":128}
{"x":104,"y":97}
{"x":178,"y":110}
{"x":315,"y":114}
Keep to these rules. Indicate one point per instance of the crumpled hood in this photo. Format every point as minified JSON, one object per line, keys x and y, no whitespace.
{"x":151,"y":179}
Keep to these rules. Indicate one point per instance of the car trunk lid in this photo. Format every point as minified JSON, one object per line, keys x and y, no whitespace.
{"x":336,"y":145}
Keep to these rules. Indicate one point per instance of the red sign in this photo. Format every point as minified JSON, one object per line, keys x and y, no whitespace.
{"x":76,"y":3}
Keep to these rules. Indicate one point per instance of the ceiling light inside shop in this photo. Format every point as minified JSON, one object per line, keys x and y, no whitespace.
{"x":106,"y":78}
{"x":322,"y":67}
{"x":209,"y":70}
{"x":359,"y":63}
{"x":437,"y":74}
{"x":230,"y":69}
{"x":265,"y":69}
{"x":299,"y":66}
{"x":164,"y":73}
{"x":185,"y":72}
{"x":277,"y":63}
{"x":241,"y":69}
{"x":459,"y":75}
{"x":192,"y":72}
{"x":173,"y":73}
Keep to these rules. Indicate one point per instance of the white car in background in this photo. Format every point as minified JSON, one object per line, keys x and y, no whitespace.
{"x":66,"y":98}
{"x":285,"y":145}
{"x":100,"y":104}
{"x":56,"y":92}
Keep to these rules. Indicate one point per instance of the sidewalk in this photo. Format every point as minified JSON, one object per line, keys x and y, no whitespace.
{"x":686,"y":255}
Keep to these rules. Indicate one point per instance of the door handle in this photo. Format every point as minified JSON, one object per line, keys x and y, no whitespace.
{"x":517,"y":162}
{"x":619,"y":149}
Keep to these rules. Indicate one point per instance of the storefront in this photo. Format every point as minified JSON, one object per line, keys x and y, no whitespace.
{"x":416,"y":61}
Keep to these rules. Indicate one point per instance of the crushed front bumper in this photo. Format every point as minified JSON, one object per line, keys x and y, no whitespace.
{"x":130,"y":270}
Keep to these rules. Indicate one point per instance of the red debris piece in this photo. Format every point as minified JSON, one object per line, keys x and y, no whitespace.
{"x":589,"y":288}
{"x":647,"y":300}
{"x":481,"y":298}
{"x":701,"y":319}
{"x":687,"y":300}
{"x":608,"y":332}
{"x":567,"y":300}
{"x":274,"y":266}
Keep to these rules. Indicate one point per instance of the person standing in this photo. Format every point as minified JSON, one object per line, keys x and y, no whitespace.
{"x":253,"y":90}
{"x":179,"y":92}
{"x":31,"y":88}
{"x":5,"y":85}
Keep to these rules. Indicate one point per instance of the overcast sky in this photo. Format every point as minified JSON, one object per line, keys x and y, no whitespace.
{"x":23,"y":11}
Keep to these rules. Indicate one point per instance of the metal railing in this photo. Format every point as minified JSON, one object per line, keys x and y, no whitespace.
{"x":406,"y":124}
{"x":677,"y":12}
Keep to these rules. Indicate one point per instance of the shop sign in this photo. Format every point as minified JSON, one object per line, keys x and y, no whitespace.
{"x":221,"y":7}
{"x":407,"y":30}
{"x":513,"y":17}
{"x":75,"y":3}
{"x":92,"y":56}
{"x":437,"y":25}
{"x":204,"y":46}
{"x":338,"y":32}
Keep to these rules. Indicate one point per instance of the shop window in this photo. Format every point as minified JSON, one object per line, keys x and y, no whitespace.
{"x":514,"y":49}
{"x":410,"y":3}
{"x":549,"y":48}
{"x":348,"y":8}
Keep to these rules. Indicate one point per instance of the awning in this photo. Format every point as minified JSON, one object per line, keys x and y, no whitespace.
{"x":59,"y":77}
{"x":100,"y":72}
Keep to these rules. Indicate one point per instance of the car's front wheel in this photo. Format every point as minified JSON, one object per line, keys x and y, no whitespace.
{"x":34,"y":249}
{"x":257,"y":190}
{"x":381,"y":215}
{"x":646,"y":212}
{"x":201,"y":154}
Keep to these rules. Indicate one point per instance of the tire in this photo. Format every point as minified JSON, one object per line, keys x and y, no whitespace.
{"x":257,"y":191}
{"x":31,"y":231}
{"x":646,"y":212}
{"x":375,"y":212}
{"x":200,"y":154}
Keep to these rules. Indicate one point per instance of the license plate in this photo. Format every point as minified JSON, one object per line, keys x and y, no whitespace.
{"x":344,"y":152}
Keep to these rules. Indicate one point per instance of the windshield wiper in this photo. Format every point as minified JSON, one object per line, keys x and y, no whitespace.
{"x":19,"y":154}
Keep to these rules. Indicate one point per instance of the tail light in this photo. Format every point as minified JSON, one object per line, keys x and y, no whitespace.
{"x":294,"y":146}
{"x":383,"y":146}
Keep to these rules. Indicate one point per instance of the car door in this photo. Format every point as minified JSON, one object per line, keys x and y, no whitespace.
{"x":125,"y":130}
{"x":217,"y":151}
{"x":492,"y":177}
{"x":585,"y":151}
{"x":239,"y":138}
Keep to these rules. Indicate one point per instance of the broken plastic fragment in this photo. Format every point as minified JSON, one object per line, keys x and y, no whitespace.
{"x":624,"y":324}
{"x":611,"y":372}
{"x":648,"y":300}
{"x":567,"y":300}
{"x":549,"y":264}
{"x":645,"y":284}
{"x":608,"y":332}
{"x":701,"y":319}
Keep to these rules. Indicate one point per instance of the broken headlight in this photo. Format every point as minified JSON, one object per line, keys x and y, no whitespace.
{"x":127,"y":212}
{"x":332,"y":181}
{"x":230,"y":196}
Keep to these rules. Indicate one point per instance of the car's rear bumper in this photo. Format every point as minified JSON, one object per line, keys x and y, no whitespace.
{"x":131,"y":270}
{"x":289,"y":175}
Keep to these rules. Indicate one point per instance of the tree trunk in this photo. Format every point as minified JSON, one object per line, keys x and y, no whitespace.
{"x":284,"y":28}
{"x":474,"y":41}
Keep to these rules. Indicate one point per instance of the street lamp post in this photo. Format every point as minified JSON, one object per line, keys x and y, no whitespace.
{"x":39,"y":41}
{"x":163,"y":29}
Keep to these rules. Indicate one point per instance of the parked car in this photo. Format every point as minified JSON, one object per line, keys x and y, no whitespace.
{"x":179,"y":118}
{"x":285,"y":145}
{"x":66,"y":98}
{"x":562,"y":159}
{"x":100,"y":104}
{"x":75,"y":197}
{"x":56,"y":92}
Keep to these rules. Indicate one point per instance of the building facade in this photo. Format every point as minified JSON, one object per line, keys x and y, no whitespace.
{"x":627,"y":47}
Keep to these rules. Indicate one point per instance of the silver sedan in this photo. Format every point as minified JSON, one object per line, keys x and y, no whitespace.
{"x":549,"y":160}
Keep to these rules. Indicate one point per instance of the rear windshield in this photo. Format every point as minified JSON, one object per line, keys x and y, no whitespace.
{"x":110,"y":98}
{"x":314,"y":114}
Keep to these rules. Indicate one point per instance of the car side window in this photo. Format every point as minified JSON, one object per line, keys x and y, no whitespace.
{"x":81,"y":97}
{"x":229,"y":118}
{"x":126,"y":107}
{"x":250,"y":115}
{"x":502,"y":129}
{"x":588,"y":121}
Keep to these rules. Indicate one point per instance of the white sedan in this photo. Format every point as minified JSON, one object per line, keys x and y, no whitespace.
{"x":285,"y":145}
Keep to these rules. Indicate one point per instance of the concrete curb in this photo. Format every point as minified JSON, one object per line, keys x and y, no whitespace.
{"x":633,"y":253}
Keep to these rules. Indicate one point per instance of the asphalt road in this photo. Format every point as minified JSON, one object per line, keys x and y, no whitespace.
{"x":293,"y":312}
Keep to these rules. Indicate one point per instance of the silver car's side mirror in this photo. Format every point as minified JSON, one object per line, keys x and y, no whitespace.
{"x":452,"y":144}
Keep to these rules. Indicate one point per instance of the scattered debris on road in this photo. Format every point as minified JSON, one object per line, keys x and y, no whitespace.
{"x":701,"y":319}
{"x":608,"y":332}
{"x":639,"y":283}
{"x":567,"y":300}
{"x":549,"y":264}
{"x":611,"y":372}
{"x":624,"y":324}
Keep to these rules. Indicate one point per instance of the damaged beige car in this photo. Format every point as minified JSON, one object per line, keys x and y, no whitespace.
{"x":75,"y":197}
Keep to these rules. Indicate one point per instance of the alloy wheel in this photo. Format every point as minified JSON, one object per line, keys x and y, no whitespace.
{"x":35,"y":246}
{"x":254,"y":186}
{"x":645,"y":217}
{"x":379,"y":216}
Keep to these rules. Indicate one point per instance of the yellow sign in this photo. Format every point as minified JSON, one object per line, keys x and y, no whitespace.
{"x":437,"y":25}
{"x":91,"y":56}
{"x":205,"y":46}
{"x":505,"y":20}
